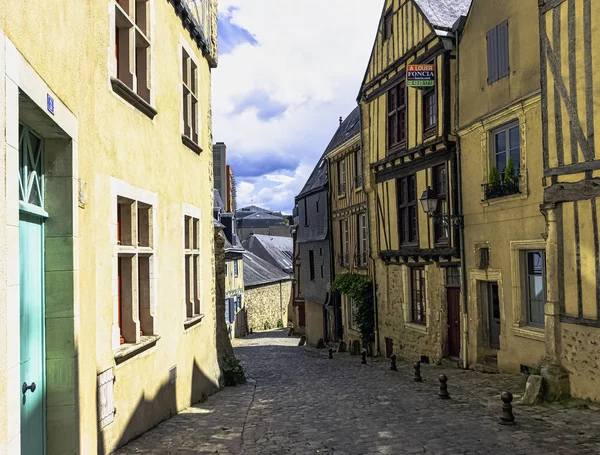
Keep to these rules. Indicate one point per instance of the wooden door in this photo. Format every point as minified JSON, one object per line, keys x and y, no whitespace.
{"x":301,"y":315}
{"x":494,"y":315}
{"x":32,"y":385}
{"x":453,"y":302}
{"x":389,"y":347}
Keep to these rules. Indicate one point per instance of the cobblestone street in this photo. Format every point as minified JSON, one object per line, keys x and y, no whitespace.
{"x":298,"y":401}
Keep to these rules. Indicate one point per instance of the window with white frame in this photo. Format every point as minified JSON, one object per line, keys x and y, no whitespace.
{"x":135,"y":256}
{"x":132,"y":45}
{"x":506,"y":145}
{"x":535,"y":287}
{"x":192,"y":266}
{"x":191,"y":125}
{"x":236,"y":270}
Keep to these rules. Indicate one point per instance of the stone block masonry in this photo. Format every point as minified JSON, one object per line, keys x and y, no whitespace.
{"x":267,"y":305}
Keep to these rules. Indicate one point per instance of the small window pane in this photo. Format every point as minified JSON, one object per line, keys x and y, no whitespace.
{"x":501,"y":142}
{"x":514,"y":137}
{"x":535,"y":288}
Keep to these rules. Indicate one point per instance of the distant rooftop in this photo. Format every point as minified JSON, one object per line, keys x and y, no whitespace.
{"x":348,"y":129}
{"x":276,"y":250}
{"x":258,"y":272}
{"x":218,"y":201}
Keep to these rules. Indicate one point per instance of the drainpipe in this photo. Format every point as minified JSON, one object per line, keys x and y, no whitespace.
{"x":373,"y":278}
{"x":457,"y":28}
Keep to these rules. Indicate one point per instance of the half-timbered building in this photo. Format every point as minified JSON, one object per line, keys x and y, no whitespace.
{"x":407,"y":110}
{"x":348,"y":202}
{"x":570,"y":65}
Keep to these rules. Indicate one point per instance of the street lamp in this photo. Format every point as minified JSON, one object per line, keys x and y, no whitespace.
{"x":429,"y":203}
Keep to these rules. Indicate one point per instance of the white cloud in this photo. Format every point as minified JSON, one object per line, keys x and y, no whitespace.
{"x":310,"y":57}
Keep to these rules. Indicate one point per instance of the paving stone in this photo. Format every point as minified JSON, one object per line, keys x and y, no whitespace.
{"x":297,"y":401}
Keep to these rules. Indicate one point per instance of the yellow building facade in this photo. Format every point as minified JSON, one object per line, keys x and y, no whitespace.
{"x":234,"y":292}
{"x":349,"y":217}
{"x":407,"y":111}
{"x":570,"y":64}
{"x":106,"y":272}
{"x":499,"y":120}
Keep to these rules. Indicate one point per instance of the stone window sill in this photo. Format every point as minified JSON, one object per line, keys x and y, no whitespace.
{"x":191,"y":144}
{"x":193,"y":321}
{"x":121,"y":89}
{"x":416,"y":327}
{"x":533,"y":333}
{"x":129,"y":350}
{"x":499,"y":200}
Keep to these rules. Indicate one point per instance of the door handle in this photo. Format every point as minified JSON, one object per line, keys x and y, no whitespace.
{"x":26,"y":387}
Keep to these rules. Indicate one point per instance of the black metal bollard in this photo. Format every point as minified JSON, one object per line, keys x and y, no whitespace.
{"x":393,"y":366}
{"x":443,"y":393}
{"x":330,"y":353}
{"x":364,"y":357}
{"x":418,"y":377}
{"x":507,"y":417}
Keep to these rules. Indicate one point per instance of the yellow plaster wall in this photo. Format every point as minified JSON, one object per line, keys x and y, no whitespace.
{"x":234,"y":285}
{"x":314,"y":321}
{"x":498,"y":222}
{"x":477,"y":97}
{"x":116,"y":140}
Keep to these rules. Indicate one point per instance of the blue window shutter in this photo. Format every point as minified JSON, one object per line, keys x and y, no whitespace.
{"x":503,"y":62}
{"x":492,"y":55}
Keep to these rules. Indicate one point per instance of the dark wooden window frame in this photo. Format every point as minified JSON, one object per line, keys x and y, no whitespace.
{"x":133,"y":25}
{"x":441,"y":228}
{"x":342,"y":182}
{"x":430,"y":112}
{"x":358,"y":169}
{"x":408,"y":220}
{"x":396,"y":118}
{"x":418,"y":306}
{"x":388,"y":25}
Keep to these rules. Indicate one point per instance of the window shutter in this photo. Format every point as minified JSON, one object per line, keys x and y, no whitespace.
{"x":503,"y":65}
{"x":492,"y":54}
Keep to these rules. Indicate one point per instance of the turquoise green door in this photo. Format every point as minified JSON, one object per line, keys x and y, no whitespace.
{"x":32,"y":388}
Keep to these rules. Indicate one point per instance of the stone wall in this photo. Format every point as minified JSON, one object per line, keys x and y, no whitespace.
{"x":267,"y":305}
{"x":224,"y":347}
{"x":411,"y":340}
{"x":580,"y":354}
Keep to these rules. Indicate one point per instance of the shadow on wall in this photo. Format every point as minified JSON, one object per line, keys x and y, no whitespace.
{"x":149,"y":412}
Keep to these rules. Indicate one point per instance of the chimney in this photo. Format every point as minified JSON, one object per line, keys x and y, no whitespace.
{"x":341,"y":121}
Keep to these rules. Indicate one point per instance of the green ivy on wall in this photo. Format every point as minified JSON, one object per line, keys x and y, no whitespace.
{"x":360,"y":289}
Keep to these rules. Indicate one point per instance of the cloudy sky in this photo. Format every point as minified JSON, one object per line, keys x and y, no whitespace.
{"x":287,"y":71}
